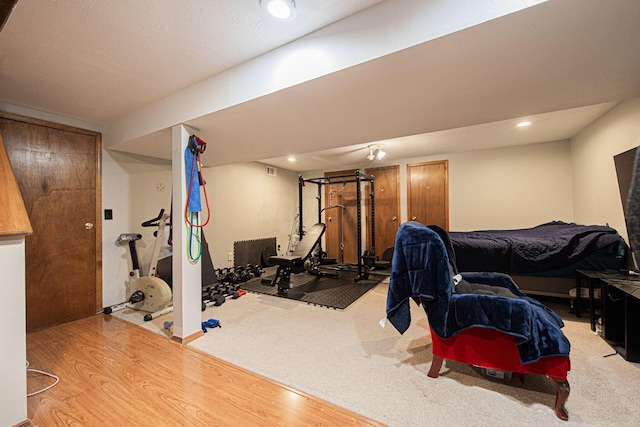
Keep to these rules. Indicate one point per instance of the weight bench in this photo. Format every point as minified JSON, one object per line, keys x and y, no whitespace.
{"x":294,"y":263}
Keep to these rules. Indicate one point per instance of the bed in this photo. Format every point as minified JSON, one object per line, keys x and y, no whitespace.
{"x":542,"y":260}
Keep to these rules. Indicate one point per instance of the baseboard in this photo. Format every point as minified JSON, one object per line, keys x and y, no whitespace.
{"x":187,"y":339}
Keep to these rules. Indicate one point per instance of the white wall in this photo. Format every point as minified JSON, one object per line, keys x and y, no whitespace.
{"x":13,"y":351}
{"x":513,"y":187}
{"x":596,"y":197}
{"x":247,"y":204}
{"x":115,"y":196}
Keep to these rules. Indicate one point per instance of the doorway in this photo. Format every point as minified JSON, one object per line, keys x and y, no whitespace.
{"x":57,"y":168}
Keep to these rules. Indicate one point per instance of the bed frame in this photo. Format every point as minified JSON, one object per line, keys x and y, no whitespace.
{"x":544,"y":285}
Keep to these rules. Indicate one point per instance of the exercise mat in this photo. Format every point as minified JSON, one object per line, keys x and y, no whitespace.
{"x":337,"y":293}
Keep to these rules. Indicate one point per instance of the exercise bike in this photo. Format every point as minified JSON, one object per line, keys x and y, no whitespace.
{"x":146,"y":293}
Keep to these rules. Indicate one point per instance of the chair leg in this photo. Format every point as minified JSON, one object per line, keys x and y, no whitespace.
{"x":436,"y":364}
{"x":562,"y":394}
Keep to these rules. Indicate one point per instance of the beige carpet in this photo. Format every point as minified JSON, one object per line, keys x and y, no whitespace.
{"x":347,"y":358}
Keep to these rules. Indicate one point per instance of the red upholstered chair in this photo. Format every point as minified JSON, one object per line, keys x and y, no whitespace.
{"x":493,"y":349}
{"x":508,"y":333}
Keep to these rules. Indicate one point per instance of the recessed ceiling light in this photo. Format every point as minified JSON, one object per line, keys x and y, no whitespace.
{"x":523,"y":124}
{"x":283,"y":10}
{"x":291,"y":159}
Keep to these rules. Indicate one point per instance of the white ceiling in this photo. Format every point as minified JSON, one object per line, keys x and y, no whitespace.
{"x":561,"y":64}
{"x":97,"y":60}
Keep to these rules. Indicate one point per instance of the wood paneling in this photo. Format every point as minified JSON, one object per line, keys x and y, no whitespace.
{"x":113,"y":373}
{"x":13,"y":215}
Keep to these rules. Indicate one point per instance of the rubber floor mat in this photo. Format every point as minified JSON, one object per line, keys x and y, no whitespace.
{"x":337,"y":293}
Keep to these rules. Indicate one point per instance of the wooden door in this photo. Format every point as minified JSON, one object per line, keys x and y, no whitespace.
{"x":341,"y":233}
{"x":57,"y":169}
{"x":386,"y":184}
{"x":428,"y":193}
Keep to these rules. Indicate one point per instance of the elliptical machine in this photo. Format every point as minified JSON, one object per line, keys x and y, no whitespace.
{"x":146,"y":293}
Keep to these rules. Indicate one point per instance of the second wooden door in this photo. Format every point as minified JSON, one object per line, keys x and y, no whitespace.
{"x":428,"y":193}
{"x":386,"y":184}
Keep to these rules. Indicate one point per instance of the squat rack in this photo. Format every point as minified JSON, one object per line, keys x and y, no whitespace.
{"x":358,"y":177}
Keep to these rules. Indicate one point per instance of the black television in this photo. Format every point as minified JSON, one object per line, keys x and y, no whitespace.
{"x":625,"y":167}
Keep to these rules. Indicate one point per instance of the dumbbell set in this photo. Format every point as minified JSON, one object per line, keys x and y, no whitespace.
{"x":214,"y":292}
{"x":237,"y":275}
{"x":228,"y":285}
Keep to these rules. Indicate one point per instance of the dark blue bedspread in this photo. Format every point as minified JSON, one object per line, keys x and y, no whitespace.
{"x":421,"y":271}
{"x":548,"y":247}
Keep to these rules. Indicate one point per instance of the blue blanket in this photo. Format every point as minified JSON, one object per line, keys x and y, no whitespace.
{"x":547,"y":247}
{"x":421,"y":271}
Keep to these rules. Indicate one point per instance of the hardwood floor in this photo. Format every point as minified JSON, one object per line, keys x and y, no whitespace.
{"x":113,"y":373}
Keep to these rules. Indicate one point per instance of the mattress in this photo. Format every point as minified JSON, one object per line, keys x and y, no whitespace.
{"x":554,"y":249}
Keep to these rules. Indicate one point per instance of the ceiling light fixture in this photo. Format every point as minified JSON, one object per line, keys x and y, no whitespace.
{"x":283,"y":10}
{"x":376,"y":152}
{"x":523,"y":124}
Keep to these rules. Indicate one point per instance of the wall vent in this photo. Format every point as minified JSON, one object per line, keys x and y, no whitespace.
{"x":271,"y":171}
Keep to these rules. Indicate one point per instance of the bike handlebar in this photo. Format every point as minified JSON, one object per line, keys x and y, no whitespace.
{"x":152,"y":222}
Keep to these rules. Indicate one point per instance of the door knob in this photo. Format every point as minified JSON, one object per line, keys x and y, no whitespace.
{"x":395,"y":218}
{"x":88,"y":225}
{"x":413,"y":218}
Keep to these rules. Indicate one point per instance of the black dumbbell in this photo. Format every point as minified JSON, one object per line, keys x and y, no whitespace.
{"x":231,"y":291}
{"x":215,"y":300}
{"x":257,"y":270}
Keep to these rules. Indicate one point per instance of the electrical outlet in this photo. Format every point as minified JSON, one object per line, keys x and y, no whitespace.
{"x":230,"y":256}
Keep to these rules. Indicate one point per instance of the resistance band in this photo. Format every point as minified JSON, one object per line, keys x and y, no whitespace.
{"x":193,"y":205}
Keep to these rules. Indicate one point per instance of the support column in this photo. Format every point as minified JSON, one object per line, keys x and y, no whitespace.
{"x":187,"y":275}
